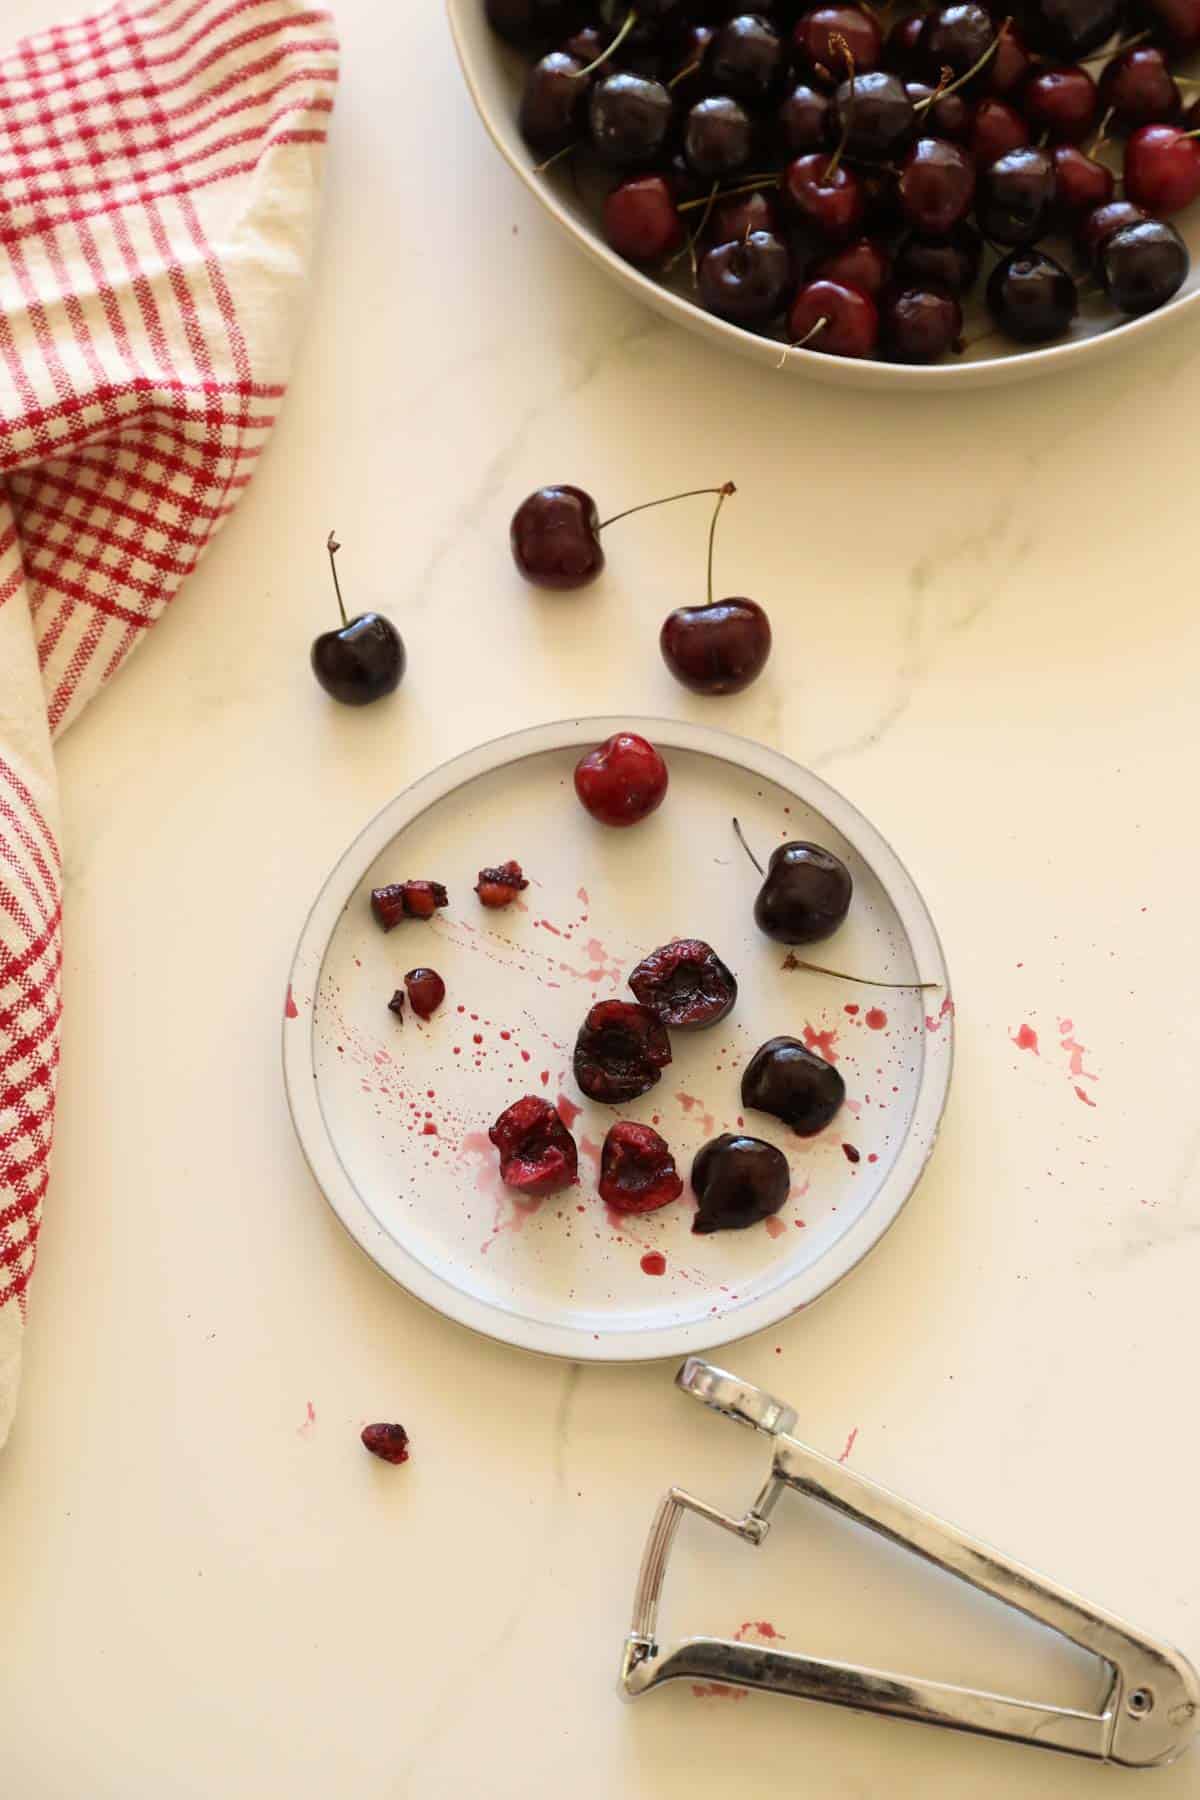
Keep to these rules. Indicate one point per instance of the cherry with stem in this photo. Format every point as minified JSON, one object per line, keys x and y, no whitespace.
{"x":362,"y":660}
{"x":555,"y":533}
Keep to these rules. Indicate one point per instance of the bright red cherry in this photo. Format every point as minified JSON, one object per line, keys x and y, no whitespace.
{"x":1081,"y":183}
{"x":640,"y":220}
{"x":622,"y":781}
{"x":1139,"y":87}
{"x":996,"y":128}
{"x":840,"y":321}
{"x":822,"y":36}
{"x":1064,"y":102}
{"x":1162,"y":169}
{"x":822,"y":192}
{"x":864,"y":265}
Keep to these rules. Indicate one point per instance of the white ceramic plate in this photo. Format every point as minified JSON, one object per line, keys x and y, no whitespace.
{"x":494,"y":74}
{"x":393,"y":1117}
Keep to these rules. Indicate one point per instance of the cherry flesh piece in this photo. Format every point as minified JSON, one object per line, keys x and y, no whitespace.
{"x":537,"y":1153}
{"x":739,"y":214}
{"x":718,"y":136}
{"x":875,"y":114}
{"x":1071,"y":28}
{"x":805,"y":894}
{"x":719,"y":648}
{"x":803,"y":121}
{"x":738,"y":1180}
{"x":406,"y":900}
{"x":360,"y":662}
{"x":864,"y":265}
{"x":622,"y":781}
{"x":1016,"y":197}
{"x":951,"y":263}
{"x":1142,"y":266}
{"x":851,"y":320}
{"x":526,"y":22}
{"x":824,"y":194}
{"x":637,"y":1170}
{"x":620,"y":1052}
{"x":389,"y":1442}
{"x":396,"y":1004}
{"x":628,"y":119}
{"x":499,"y":886}
{"x":1140,"y":88}
{"x":1162,"y":169}
{"x":1006,"y":73}
{"x":746,"y":59}
{"x":819,"y":52}
{"x":937,"y":186}
{"x":996,"y":128}
{"x":1081,"y":183}
{"x":426,"y":991}
{"x":955,"y":38}
{"x":747,"y":281}
{"x":1031,"y":297}
{"x":1062,"y":102}
{"x":902,"y":48}
{"x":920,"y":324}
{"x":1097,"y":226}
{"x":787,"y":1079}
{"x":685,"y":985}
{"x":640,"y":219}
{"x":554,"y":538}
{"x":948,"y":116}
{"x":1179,"y":21}
{"x":552,"y":103}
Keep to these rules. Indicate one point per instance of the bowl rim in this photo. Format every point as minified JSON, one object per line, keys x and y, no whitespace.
{"x":1018,"y":365}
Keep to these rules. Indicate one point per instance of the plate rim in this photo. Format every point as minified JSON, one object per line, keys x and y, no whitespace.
{"x":573,"y":1343}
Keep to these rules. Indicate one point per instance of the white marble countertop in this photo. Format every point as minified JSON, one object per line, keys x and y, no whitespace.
{"x":987,"y":636}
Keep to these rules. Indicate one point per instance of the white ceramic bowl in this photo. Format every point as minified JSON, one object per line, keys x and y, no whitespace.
{"x":493,"y":75}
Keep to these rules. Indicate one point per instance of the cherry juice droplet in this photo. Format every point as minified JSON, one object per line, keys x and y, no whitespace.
{"x":654,"y":1263}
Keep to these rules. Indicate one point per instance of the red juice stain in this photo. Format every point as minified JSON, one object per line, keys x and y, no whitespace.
{"x":545,"y":1078}
{"x":775,"y":1227}
{"x":876,"y":1018}
{"x":850,"y":1007}
{"x":872,"y":1157}
{"x":945,"y":1011}
{"x":475,"y":1018}
{"x":547,"y":926}
{"x":1026,"y":1038}
{"x":525,"y":1056}
{"x":760,"y":1628}
{"x":429,"y":1129}
{"x":567,"y":1110}
{"x":290,"y":1009}
{"x":1082,"y":1094}
{"x":851,"y":1154}
{"x":654,"y":1263}
{"x":506,"y":1035}
{"x":462,"y":1009}
{"x":457,"y":1051}
{"x":849,"y":1445}
{"x":822,"y":1042}
{"x":476,"y":1037}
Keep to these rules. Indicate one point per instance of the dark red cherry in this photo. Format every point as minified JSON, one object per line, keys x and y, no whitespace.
{"x":1007,"y":70}
{"x":537,"y":1153}
{"x":951,"y":263}
{"x":426,"y":991}
{"x":944,"y":115}
{"x":789,"y":1081}
{"x":553,"y":103}
{"x":919,"y":325}
{"x":718,"y":136}
{"x":719,"y":648}
{"x":685,"y":985}
{"x":874,"y":115}
{"x":820,"y":36}
{"x":738,"y":1180}
{"x":637,"y":1170}
{"x":620,"y":1052}
{"x":901,"y":51}
{"x":836,"y":320}
{"x":1096,"y":226}
{"x":527,"y":22}
{"x":746,"y":58}
{"x":688,"y":79}
{"x":1062,"y":102}
{"x":864,"y":265}
{"x":1081,"y":183}
{"x":364,"y":659}
{"x":1143,"y":266}
{"x":1179,"y":22}
{"x":622,"y":781}
{"x":1071,"y":28}
{"x":937,"y":186}
{"x":805,"y":894}
{"x":554,"y":538}
{"x":1139,"y":87}
{"x":738,"y":215}
{"x":641,"y":221}
{"x":1162,"y":169}
{"x":824,"y":194}
{"x":996,"y":128}
{"x":628,"y":119}
{"x":803,"y":121}
{"x":955,"y":38}
{"x":1031,"y":297}
{"x":746,"y":281}
{"x":1016,"y":197}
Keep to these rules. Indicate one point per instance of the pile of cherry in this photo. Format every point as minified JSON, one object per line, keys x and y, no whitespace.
{"x":844,"y":178}
{"x":623,"y":1046}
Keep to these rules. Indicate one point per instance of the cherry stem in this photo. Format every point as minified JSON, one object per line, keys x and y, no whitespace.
{"x":689,"y":247}
{"x":627,"y":27}
{"x":332,"y":545}
{"x":791,"y":961}
{"x":981,"y":62}
{"x":1101,"y":137}
{"x":839,"y":43}
{"x":1125,"y":44}
{"x":746,"y":187}
{"x":811,"y":333}
{"x":550,"y":161}
{"x":741,"y":838}
{"x":691,"y":494}
{"x":687,"y":69}
{"x":722,"y":495}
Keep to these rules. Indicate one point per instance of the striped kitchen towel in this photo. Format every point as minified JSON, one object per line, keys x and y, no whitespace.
{"x":160,"y":168}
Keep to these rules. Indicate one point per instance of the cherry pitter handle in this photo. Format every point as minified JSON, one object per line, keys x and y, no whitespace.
{"x":1152,"y":1705}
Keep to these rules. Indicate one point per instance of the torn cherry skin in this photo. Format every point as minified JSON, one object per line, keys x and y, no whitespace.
{"x":738,"y":1180}
{"x":685,"y":984}
{"x":620,"y":1052}
{"x":537,"y":1153}
{"x":637,"y":1170}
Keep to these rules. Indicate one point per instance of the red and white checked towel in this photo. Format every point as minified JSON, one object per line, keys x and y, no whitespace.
{"x":159,"y":172}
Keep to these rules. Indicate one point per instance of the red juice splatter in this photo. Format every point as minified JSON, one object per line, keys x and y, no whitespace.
{"x":654,"y":1263}
{"x":851,"y":1154}
{"x":429,"y":1129}
{"x":1026,"y":1038}
{"x":506,"y":1035}
{"x":849,"y":1445}
{"x":945,"y":1011}
{"x":545,"y":1078}
{"x":476,"y":1037}
{"x":759,"y":1627}
{"x":876,"y":1018}
{"x":547,"y":926}
{"x":310,"y":1419}
{"x":1082,"y":1094}
{"x":290,"y":1009}
{"x":775,"y":1227}
{"x":821,"y":1042}
{"x":871,"y":1157}
{"x":567,"y":1110}
{"x":525,"y":1056}
{"x":851,"y":1007}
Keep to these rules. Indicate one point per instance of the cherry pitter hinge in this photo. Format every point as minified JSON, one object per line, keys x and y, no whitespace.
{"x":1153,"y":1701}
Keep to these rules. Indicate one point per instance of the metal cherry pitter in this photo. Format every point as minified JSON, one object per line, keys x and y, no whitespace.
{"x":1152,"y":1706}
